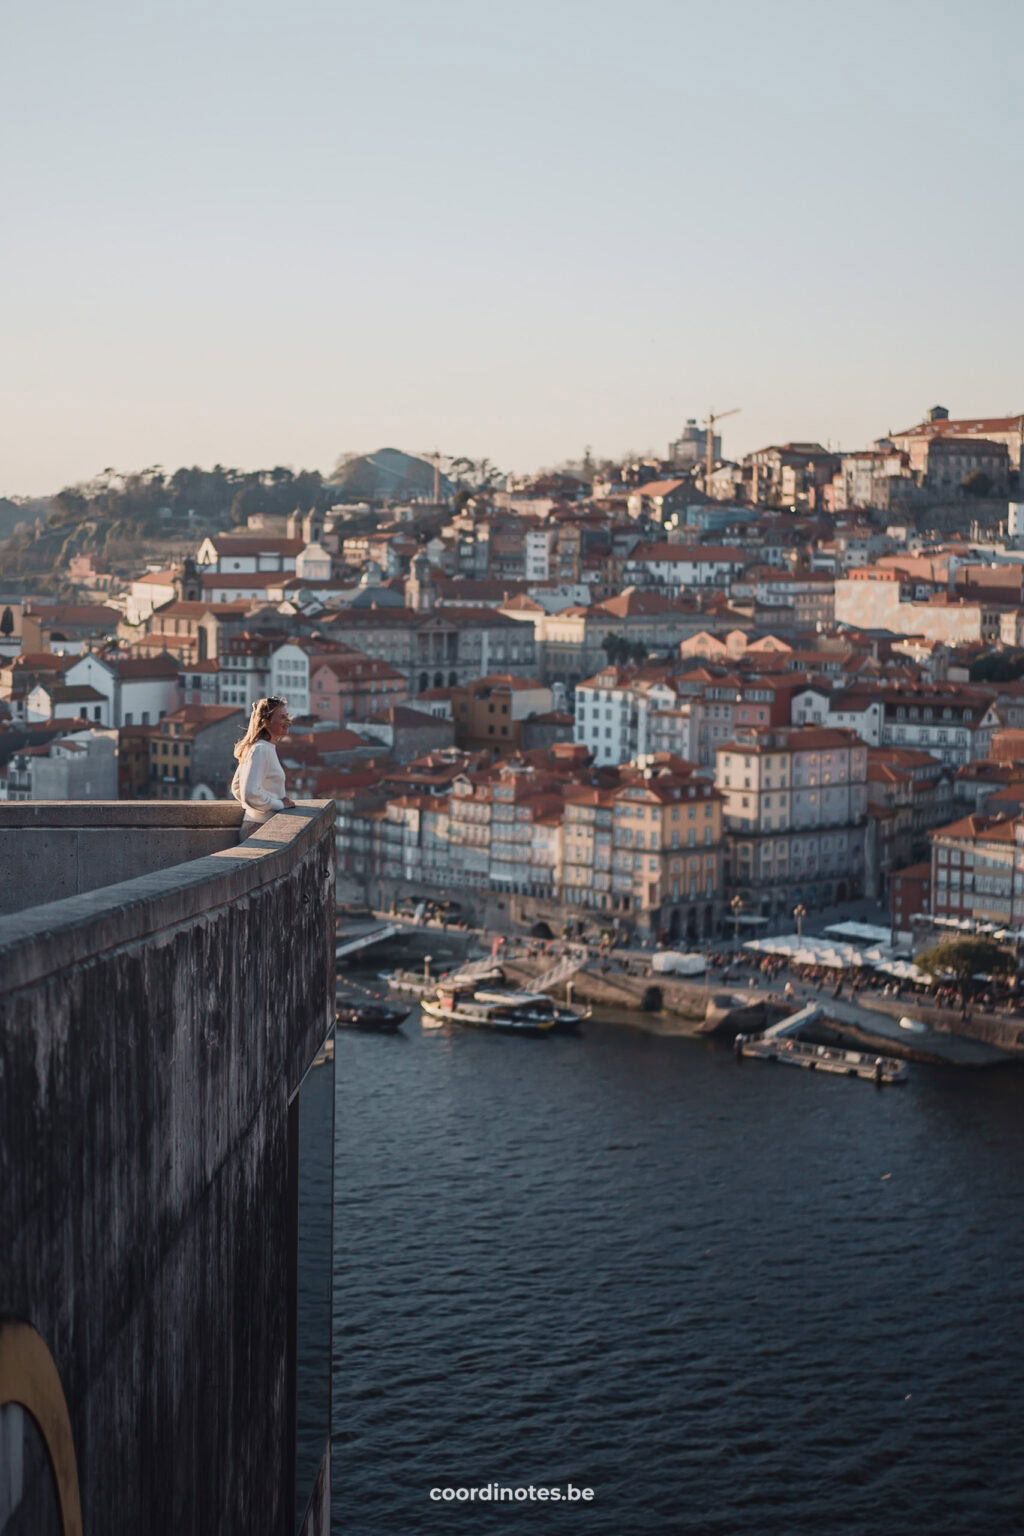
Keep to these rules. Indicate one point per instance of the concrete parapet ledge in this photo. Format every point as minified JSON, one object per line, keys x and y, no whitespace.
{"x":45,"y":939}
{"x":137,"y":814}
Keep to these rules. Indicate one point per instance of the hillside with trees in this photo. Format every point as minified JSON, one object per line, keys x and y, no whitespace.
{"x":114,"y":516}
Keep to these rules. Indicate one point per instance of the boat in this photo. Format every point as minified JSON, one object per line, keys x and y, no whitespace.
{"x":520,"y":1013}
{"x":418,"y":984}
{"x":352,"y":1014}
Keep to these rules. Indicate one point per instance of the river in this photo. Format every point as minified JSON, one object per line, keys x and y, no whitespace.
{"x":729,"y":1300}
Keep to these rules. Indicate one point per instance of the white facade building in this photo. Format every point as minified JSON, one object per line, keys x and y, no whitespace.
{"x":313,"y":564}
{"x":540,"y":543}
{"x":232,"y":555}
{"x":137,"y":691}
{"x":674,"y":567}
{"x":606,"y":717}
{"x":289,"y":677}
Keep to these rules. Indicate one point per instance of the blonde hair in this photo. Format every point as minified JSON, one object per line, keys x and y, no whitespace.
{"x":259,"y":722}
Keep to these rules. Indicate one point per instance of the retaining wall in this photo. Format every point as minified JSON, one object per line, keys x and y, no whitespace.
{"x":153,"y":1034}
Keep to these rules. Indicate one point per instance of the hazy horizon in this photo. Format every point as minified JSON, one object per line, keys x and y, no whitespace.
{"x":255,"y":235}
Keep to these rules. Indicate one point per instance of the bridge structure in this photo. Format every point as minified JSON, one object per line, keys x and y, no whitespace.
{"x":347,"y":945}
{"x":563,"y":970}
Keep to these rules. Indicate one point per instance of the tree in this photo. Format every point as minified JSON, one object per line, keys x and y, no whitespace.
{"x":977,"y":483}
{"x":6,"y":623}
{"x":965,"y":959}
{"x":998,"y":666}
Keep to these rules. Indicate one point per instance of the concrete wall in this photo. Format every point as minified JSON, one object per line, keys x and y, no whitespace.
{"x":53,"y":849}
{"x":153,"y":1035}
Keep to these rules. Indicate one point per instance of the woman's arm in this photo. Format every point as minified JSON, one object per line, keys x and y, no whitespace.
{"x":254,"y":794}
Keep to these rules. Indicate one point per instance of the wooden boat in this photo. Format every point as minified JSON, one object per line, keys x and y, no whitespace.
{"x":353,"y":1014}
{"x":521,"y":1013}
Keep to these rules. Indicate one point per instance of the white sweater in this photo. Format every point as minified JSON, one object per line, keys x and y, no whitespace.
{"x":259,"y":782}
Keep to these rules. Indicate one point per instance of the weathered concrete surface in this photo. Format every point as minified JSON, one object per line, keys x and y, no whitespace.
{"x":50,"y":849}
{"x":151,"y":1036}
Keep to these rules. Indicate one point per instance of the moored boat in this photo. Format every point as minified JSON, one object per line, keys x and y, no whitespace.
{"x":523,"y":1013}
{"x":351,"y":1014}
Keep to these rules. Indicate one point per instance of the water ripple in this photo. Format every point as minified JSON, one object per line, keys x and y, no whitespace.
{"x":622,"y":1262}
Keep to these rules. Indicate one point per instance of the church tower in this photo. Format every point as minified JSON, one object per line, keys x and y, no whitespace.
{"x":420,"y":591}
{"x":187,"y":584}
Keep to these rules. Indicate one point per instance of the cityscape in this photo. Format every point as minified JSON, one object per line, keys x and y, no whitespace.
{"x":511,"y":642}
{"x":727,"y":751}
{"x":619,"y":696}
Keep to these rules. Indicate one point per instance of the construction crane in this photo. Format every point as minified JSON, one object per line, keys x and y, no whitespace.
{"x":709,"y":445}
{"x":434,"y":457}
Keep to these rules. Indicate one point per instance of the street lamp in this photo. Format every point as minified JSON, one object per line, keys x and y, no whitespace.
{"x":737,"y":907}
{"x":800,"y":912}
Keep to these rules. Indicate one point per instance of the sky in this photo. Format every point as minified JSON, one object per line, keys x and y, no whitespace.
{"x":262,"y":232}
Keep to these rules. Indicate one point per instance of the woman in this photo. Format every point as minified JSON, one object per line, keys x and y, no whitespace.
{"x":259,"y":778}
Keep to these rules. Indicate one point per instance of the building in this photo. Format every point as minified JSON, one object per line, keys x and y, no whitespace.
{"x":68,"y":627}
{"x":200,"y":683}
{"x":408,"y":733}
{"x":489,"y":713}
{"x":136,"y":690}
{"x":21,"y":674}
{"x":292,"y":663}
{"x":1008,"y":431}
{"x":352,"y":686}
{"x":667,"y":855}
{"x":887,"y":598}
{"x":946,"y":464}
{"x":587,"y":822}
{"x":245,"y":666}
{"x":189,"y":630}
{"x":540,"y":548}
{"x":691,"y":446}
{"x":908,"y":792}
{"x":191,"y":753}
{"x":78,"y":767}
{"x":231,"y":554}
{"x":150,"y":591}
{"x":574,"y":643}
{"x":910,"y":897}
{"x":875,"y":477}
{"x":676,"y":568}
{"x":60,"y":701}
{"x":525,"y":831}
{"x":977,"y":870}
{"x":953,"y":724}
{"x":624,"y":712}
{"x":790,"y":475}
{"x":795,"y":816}
{"x":661,"y":500}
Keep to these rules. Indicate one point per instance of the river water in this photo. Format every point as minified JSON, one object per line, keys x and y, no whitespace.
{"x":730,"y":1300}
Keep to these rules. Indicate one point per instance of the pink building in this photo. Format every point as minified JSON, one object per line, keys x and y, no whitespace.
{"x":353,"y":686}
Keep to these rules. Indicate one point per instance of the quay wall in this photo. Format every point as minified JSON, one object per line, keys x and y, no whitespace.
{"x":153,"y":1036}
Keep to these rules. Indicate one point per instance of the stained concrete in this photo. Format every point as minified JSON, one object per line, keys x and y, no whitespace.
{"x":151,"y":1035}
{"x":51,"y":849}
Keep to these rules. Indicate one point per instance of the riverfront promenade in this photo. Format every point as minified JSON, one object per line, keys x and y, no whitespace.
{"x":616,"y":981}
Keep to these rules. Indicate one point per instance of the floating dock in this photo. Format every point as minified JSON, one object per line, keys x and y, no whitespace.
{"x":779,"y":1043}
